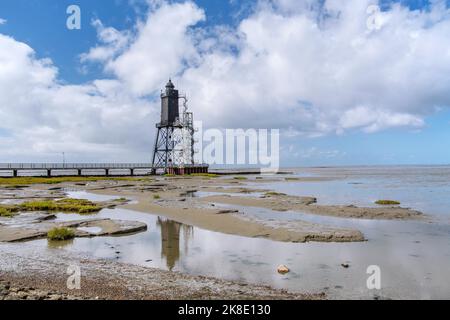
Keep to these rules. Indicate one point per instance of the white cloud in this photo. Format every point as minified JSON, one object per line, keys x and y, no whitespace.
{"x":310,"y":69}
{"x":376,"y":120}
{"x":113,"y":41}
{"x":163,"y":47}
{"x":315,"y":69}
{"x":313,"y":153}
{"x":3,"y":21}
{"x":337,"y":66}
{"x":43,"y":118}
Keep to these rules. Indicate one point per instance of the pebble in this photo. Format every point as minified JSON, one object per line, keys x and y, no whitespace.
{"x":8,"y":292}
{"x":283,"y":269}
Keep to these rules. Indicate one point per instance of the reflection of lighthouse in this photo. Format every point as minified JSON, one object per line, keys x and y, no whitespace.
{"x":170,"y":240}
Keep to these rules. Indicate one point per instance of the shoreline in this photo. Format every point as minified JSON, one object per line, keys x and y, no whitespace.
{"x":42,"y":276}
{"x":173,"y":198}
{"x":231,"y":222}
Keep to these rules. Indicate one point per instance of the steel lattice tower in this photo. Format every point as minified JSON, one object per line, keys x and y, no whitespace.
{"x":174,"y":144}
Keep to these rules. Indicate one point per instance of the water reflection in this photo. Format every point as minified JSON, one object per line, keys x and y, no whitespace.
{"x":59,"y":244}
{"x":170,"y":240}
{"x":402,"y":249}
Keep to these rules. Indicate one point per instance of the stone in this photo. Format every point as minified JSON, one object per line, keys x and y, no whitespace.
{"x":227,"y":211}
{"x":282,"y":269}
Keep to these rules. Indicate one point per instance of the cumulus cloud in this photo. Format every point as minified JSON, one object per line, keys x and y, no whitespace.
{"x":42,"y":117}
{"x":317,"y":74}
{"x":112,"y":42}
{"x":312,"y":153}
{"x":312,"y":67}
{"x":309,"y":67}
{"x":163,"y":47}
{"x":3,"y":21}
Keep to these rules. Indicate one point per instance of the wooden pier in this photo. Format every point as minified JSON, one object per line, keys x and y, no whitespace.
{"x":92,"y":169}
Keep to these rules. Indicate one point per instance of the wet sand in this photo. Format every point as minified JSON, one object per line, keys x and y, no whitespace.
{"x":307,"y":205}
{"x":175,"y":199}
{"x":191,"y":211}
{"x":170,"y":197}
{"x":30,"y":274}
{"x":202,"y":212}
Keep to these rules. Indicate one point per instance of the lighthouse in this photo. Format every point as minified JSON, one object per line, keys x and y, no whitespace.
{"x":174,"y":144}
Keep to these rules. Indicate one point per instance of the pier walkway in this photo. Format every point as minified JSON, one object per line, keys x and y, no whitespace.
{"x":83,"y":169}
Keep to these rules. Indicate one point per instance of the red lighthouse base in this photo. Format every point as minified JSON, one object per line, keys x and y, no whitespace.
{"x":180,"y":171}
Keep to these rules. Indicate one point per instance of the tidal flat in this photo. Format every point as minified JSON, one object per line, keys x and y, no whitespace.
{"x":236,"y":231}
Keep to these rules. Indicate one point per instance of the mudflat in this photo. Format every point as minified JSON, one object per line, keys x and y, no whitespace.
{"x":177,"y":198}
{"x":208,"y":202}
{"x":29,"y":274}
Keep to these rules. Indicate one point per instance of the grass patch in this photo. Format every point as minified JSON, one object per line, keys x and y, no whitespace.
{"x":21,"y":181}
{"x":207,"y":175}
{"x":65,"y":205}
{"x":292,"y":179}
{"x":156,"y":196}
{"x":273,"y":193}
{"x":240,"y":178}
{"x":387,"y":202}
{"x":169,"y":175}
{"x":121,"y":200}
{"x":15,"y":186}
{"x":60,"y":234}
{"x":8,"y":211}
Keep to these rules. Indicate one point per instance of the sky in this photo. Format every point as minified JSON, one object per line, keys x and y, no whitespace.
{"x":344,"y":82}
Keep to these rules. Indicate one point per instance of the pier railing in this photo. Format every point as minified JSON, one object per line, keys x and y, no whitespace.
{"x":107,"y":169}
{"x":74,"y":166}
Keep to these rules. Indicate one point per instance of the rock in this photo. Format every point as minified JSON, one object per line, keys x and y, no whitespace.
{"x":22,"y":295}
{"x":282,"y":269}
{"x":345,"y":265}
{"x":227,"y":211}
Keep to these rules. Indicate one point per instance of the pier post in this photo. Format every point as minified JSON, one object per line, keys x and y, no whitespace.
{"x":79,"y":172}
{"x":49,"y":172}
{"x":132,"y":172}
{"x":14,"y":173}
{"x":107,"y":172}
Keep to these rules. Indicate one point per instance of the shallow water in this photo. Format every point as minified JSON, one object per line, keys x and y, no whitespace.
{"x":414,"y":257}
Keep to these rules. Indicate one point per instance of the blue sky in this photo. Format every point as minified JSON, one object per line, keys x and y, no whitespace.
{"x":41,"y":25}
